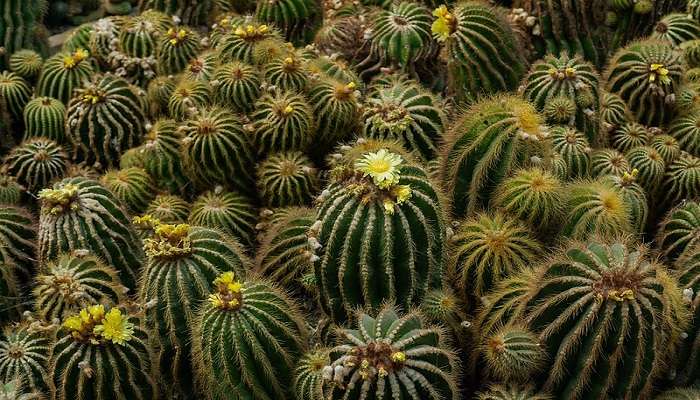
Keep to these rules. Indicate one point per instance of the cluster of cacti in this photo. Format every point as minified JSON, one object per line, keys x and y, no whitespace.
{"x":350,"y":200}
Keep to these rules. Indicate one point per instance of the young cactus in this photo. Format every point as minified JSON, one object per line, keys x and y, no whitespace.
{"x":596,"y":207}
{"x":608,"y":162}
{"x":308,"y":374}
{"x":161,"y":157}
{"x":24,"y":353}
{"x":297,"y":19}
{"x":574,"y":149}
{"x":169,"y":209}
{"x":11,"y":192}
{"x":230,"y":212}
{"x":513,"y":354}
{"x":133,"y":186}
{"x":14,"y":94}
{"x":64,"y":72}
{"x":667,"y":146}
{"x":650,"y":167}
{"x":259,"y":329}
{"x":36,"y":163}
{"x":158,"y":93}
{"x":282,"y":121}
{"x":629,"y":136}
{"x":336,"y":109}
{"x":612,"y":113}
{"x":287,"y":72}
{"x":679,"y":232}
{"x":686,"y":130}
{"x":45,"y":116}
{"x":676,"y":28}
{"x":682,"y":180}
{"x":287,"y":179}
{"x":243,"y":40}
{"x":236,"y":85}
{"x":27,"y":64}
{"x":512,"y":392}
{"x":176,"y":49}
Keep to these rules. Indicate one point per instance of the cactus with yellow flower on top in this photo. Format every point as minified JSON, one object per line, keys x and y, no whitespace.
{"x":64,"y":72}
{"x":242,"y":42}
{"x":259,"y":328}
{"x":178,"y":46}
{"x":101,"y":351}
{"x":282,"y":121}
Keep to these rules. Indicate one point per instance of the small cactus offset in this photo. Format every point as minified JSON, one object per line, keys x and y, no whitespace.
{"x":230,"y":212}
{"x":297,"y":19}
{"x":11,"y":192}
{"x":287,"y":71}
{"x":612,"y":112}
{"x":243,"y":40}
{"x":45,"y":116}
{"x":169,"y":209}
{"x":189,"y":12}
{"x":667,"y":146}
{"x":574,"y":149}
{"x":24,"y":353}
{"x":27,"y":64}
{"x":15,"y":92}
{"x":36,"y":163}
{"x":512,"y":392}
{"x":608,"y":162}
{"x":132,"y":186}
{"x":161,"y":157}
{"x":308,"y":374}
{"x":635,"y":197}
{"x":158,"y":93}
{"x":187,"y":97}
{"x":21,"y":28}
{"x":336,"y":109}
{"x":513,"y":354}
{"x":64,"y":72}
{"x":650,"y":167}
{"x":258,"y":328}
{"x":287,"y":179}
{"x":686,"y":130}
{"x":629,"y":136}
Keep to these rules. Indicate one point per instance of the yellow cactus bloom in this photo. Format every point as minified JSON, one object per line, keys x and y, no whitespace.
{"x":80,"y":55}
{"x":146,"y":220}
{"x":389,"y":207}
{"x":181,"y":34}
{"x":443,"y":25}
{"x":73,"y":323}
{"x":228,"y":282}
{"x":173,"y":232}
{"x":115,"y":327}
{"x":262,"y":29}
{"x":69,"y":62}
{"x":402,"y":193}
{"x":289,"y":61}
{"x":570,"y":72}
{"x":351,"y":86}
{"x":288,"y":110}
{"x":383,"y":167}
{"x":239,"y":32}
{"x":660,"y":72}
{"x":96,"y":312}
{"x":398,"y":357}
{"x":229,"y":292}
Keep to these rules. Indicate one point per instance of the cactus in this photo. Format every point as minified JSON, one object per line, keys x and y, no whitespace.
{"x":336,"y":109}
{"x":571,"y":78}
{"x":405,"y":111}
{"x":36,"y":163}
{"x":513,"y":354}
{"x":161,"y":157}
{"x":27,"y":64}
{"x":511,"y":392}
{"x":650,"y":166}
{"x":612,"y":112}
{"x":573,"y":147}
{"x":297,"y":19}
{"x":104,"y":119}
{"x":608,"y":162}
{"x":169,"y":209}
{"x":202,"y":66}
{"x":282,"y":121}
{"x":635,"y":198}
{"x":691,"y":53}
{"x":230,"y":212}
{"x":380,"y":353}
{"x":646,"y":75}
{"x":79,"y":38}
{"x":24,"y":354}
{"x":287,"y":179}
{"x":176,"y":49}
{"x":105,"y":37}
{"x":132,"y":186}
{"x":444,"y":307}
{"x":308,"y":374}
{"x":182,"y":256}
{"x":79,"y":213}
{"x":265,"y":332}
{"x":74,"y":281}
{"x":64,"y":72}
{"x":243,"y":40}
{"x":482,"y":51}
{"x":487,"y":248}
{"x":102,"y":353}
{"x":187,"y":97}
{"x":217,"y":149}
{"x":629,"y":136}
{"x":132,"y":158}
{"x":20,"y":27}
{"x":682,"y":180}
{"x":236,"y":85}
{"x":45,"y":116}
{"x":679,"y":393}
{"x":10,"y":191}
{"x":676,"y":28}
{"x":158,"y":93}
{"x":15,"y":92}
{"x":686,"y":130}
{"x":10,"y":292}
{"x":380,"y":226}
{"x":667,"y":146}
{"x":17,"y":240}
{"x":687,"y":273}
{"x":139,"y":37}
{"x":490,"y":140}
{"x":679,"y":231}
{"x":189,"y":12}
{"x":287,"y":72}
{"x":596,"y":208}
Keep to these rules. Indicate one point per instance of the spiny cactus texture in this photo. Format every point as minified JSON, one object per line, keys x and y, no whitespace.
{"x":158,"y":94}
{"x":24,"y":353}
{"x":686,"y":130}
{"x":287,"y":179}
{"x":177,"y":47}
{"x":169,"y":209}
{"x":336,"y":109}
{"x":101,"y":351}
{"x":10,"y":191}
{"x":681,"y":180}
{"x":287,"y":71}
{"x":513,"y":354}
{"x":612,"y":112}
{"x":182,"y":256}
{"x":679,"y":394}
{"x":679,"y":232}
{"x":132,"y":186}
{"x":297,"y":19}
{"x":635,"y":198}
{"x":629,"y":136}
{"x":308,"y":375}
{"x":677,"y":28}
{"x":236,"y":85}
{"x":282,"y":121}
{"x":36,"y":163}
{"x":26,"y":63}
{"x":161,"y":158}
{"x":229,"y":212}
{"x":15,"y":92}
{"x":187,"y":97}
{"x":18,"y":233}
{"x":512,"y":392}
{"x":379,"y":235}
{"x":243,"y":40}
{"x":391,"y":354}
{"x":64,"y":72}
{"x":21,"y":28}
{"x":608,"y":162}
{"x":574,"y":149}
{"x":79,"y":213}
{"x":45,"y":116}
{"x":258,"y":328}
{"x":490,"y":140}
{"x":649,"y":164}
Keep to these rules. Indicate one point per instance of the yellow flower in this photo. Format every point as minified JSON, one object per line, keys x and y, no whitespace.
{"x":402,"y":193}
{"x":398,"y":357}
{"x":181,"y":34}
{"x":288,"y":110}
{"x":262,"y":29}
{"x":97,"y":312}
{"x":68,"y":62}
{"x":173,"y":41}
{"x":351,"y":86}
{"x":383,"y":167}
{"x":289,"y":60}
{"x":115,"y":327}
{"x":442,"y":26}
{"x":73,"y":323}
{"x":659,"y":71}
{"x":173,"y":232}
{"x":80,"y":55}
{"x":570,"y":72}
{"x":389,"y":207}
{"x":146,"y":220}
{"x":239,"y":31}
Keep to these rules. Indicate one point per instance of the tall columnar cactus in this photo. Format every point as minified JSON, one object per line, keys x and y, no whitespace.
{"x":24,"y":353}
{"x":646,"y":75}
{"x":45,"y":116}
{"x":20,"y":27}
{"x":188,"y":96}
{"x":169,"y":209}
{"x":217,"y":149}
{"x":160,"y":154}
{"x":180,"y":256}
{"x":394,"y":355}
{"x":101,"y":352}
{"x":236,"y":85}
{"x":15,"y":92}
{"x":190,"y":12}
{"x":282,"y":121}
{"x":608,"y":162}
{"x":336,"y":110}
{"x":405,"y":111}
{"x":676,"y":28}
{"x":650,"y":167}
{"x":74,"y":281}
{"x":297,"y":19}
{"x":64,"y":72}
{"x":287,"y":179}
{"x":682,"y":180}
{"x":104,"y":119}
{"x":511,"y":392}
{"x":36,"y":163}
{"x":227,"y":211}
{"x":260,"y":330}
{"x":487,"y":248}
{"x":158,"y":93}
{"x":629,"y":136}
{"x":27,"y":64}
{"x":679,"y":231}
{"x":79,"y":213}
{"x":17,"y":240}
{"x":572,"y":78}
{"x":379,"y":235}
{"x":483,"y":55}
{"x":308,"y":374}
{"x":132,"y":186}
{"x":574,"y":149}
{"x":513,"y":354}
{"x":667,"y":146}
{"x":686,"y":130}
{"x":489,"y":141}
{"x":243,"y":40}
{"x":176,"y":48}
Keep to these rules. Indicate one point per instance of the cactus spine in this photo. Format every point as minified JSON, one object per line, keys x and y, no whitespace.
{"x":287,"y":179}
{"x":36,"y":163}
{"x":24,"y":354}
{"x":64,"y":72}
{"x":229,"y":212}
{"x":45,"y":116}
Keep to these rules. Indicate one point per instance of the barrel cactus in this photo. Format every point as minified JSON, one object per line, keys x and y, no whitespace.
{"x":287,"y":179}
{"x":679,"y":394}
{"x":676,"y":28}
{"x":193,"y":13}
{"x":242,"y":41}
{"x":629,"y":136}
{"x":686,"y":130}
{"x":282,"y":121}
{"x":158,"y":93}
{"x":45,"y":116}
{"x":227,"y":211}
{"x":26,"y":63}
{"x":176,"y":48}
{"x":15,"y":92}
{"x":574,"y":149}
{"x":608,"y":162}
{"x":21,"y":28}
{"x":287,"y":72}
{"x":297,"y":19}
{"x":236,"y":85}
{"x":513,"y":354}
{"x":161,"y":157}
{"x":336,"y":109}
{"x":36,"y":163}
{"x":650,"y":166}
{"x":64,"y":72}
{"x":132,"y":186}
{"x":512,"y":392}
{"x":681,"y":180}
{"x":11,"y":192}
{"x":169,"y":209}
{"x":679,"y":231}
{"x":18,"y":233}
{"x":308,"y":375}
{"x":667,"y":146}
{"x":24,"y":353}
{"x":612,"y":112}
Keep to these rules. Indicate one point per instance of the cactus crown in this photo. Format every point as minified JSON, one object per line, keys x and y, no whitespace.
{"x":227,"y":292}
{"x":168,"y":241}
{"x":146,"y":222}
{"x":444,"y":25}
{"x":251,"y":32}
{"x":60,"y":199}
{"x":95,"y":326}
{"x":72,"y":60}
{"x":176,"y":36}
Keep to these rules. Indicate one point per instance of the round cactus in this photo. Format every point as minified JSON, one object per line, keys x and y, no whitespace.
{"x":691,"y":53}
{"x":596,"y":208}
{"x":45,"y":116}
{"x":36,"y":163}
{"x":336,"y":110}
{"x":308,"y":374}
{"x":229,"y":212}
{"x":612,"y":112}
{"x":608,"y":162}
{"x":686,"y":130}
{"x":574,"y":148}
{"x":629,"y":136}
{"x":180,"y":256}
{"x":511,"y":392}
{"x":132,"y":186}
{"x":202,"y":66}
{"x":26,"y":63}
{"x":282,"y":121}
{"x":105,"y":37}
{"x":169,"y":209}
{"x":342,"y":34}
{"x":14,"y":94}
{"x":79,"y":38}
{"x":24,"y":353}
{"x":650,"y":166}
{"x":139,"y":37}
{"x":687,"y":268}
{"x":242,"y":41}
{"x":194,"y":13}
{"x":236,"y":85}
{"x":17,"y":240}
{"x":160,"y":154}
{"x":187,"y":97}
{"x":667,"y":146}
{"x":177,"y":47}
{"x":490,"y":140}
{"x":264,"y":331}
{"x":679,"y":394}
{"x":444,"y":307}
{"x":287,"y":179}
{"x":513,"y":354}
{"x":158,"y":93}
{"x":298,"y":19}
{"x":64,"y":72}
{"x":381,"y":351}
{"x":217,"y":149}
{"x":104,"y":119}
{"x":644,"y":74}
{"x":679,"y":231}
{"x":676,"y":28}
{"x":560,"y":110}
{"x":10,"y":191}
{"x":287,"y":72}
{"x":635,"y":197}
{"x":111,"y":348}
{"x":79,"y":213}
{"x":682,"y":180}
{"x":72,"y":282}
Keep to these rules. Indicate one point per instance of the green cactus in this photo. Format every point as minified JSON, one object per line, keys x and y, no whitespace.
{"x":297,"y":19}
{"x":230,"y":212}
{"x":189,"y":12}
{"x":612,"y":112}
{"x":629,"y":136}
{"x":380,"y":225}
{"x":287,"y":72}
{"x":27,"y":64}
{"x":560,"y":110}
{"x":444,"y":307}
{"x":407,"y":112}
{"x":217,"y":149}
{"x":176,"y":49}
{"x":679,"y":393}
{"x":10,"y":292}
{"x":650,"y":167}
{"x":161,"y":157}
{"x":102,"y":353}
{"x":679,"y":231}
{"x":24,"y":353}
{"x":308,"y":374}
{"x":139,"y":37}
{"x":635,"y":197}
{"x":236,"y":85}
{"x":74,"y":281}
{"x":340,"y":33}
{"x":682,"y":180}
{"x":513,"y":354}
{"x":487,"y":248}
{"x":202,"y":66}
{"x":511,"y":392}
{"x":482,"y":51}
{"x":693,"y":9}
{"x":158,"y":93}
{"x":242,"y":41}
{"x":36,"y":163}
{"x":489,"y":141}
{"x":686,"y":130}
{"x":264,"y":332}
{"x":572,"y":78}
{"x":180,"y":256}
{"x":282,"y":121}
{"x":287,"y":179}
{"x":132,"y":186}
{"x":105,"y":37}
{"x":399,"y":356}
{"x":45,"y":116}
{"x":676,"y":28}
{"x":21,"y":28}
{"x":10,"y":191}
{"x":79,"y":213}
{"x":104,"y":119}
{"x":336,"y":69}
{"x":646,"y":75}
{"x":608,"y":162}
{"x":187,"y":97}
{"x":132,"y":158}
{"x":64,"y":72}
{"x":687,"y":268}
{"x":15,"y":92}
{"x":169,"y":209}
{"x":18,"y":233}
{"x":574,"y":148}
{"x":336,"y":110}
{"x":691,"y":53}
{"x":667,"y":146}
